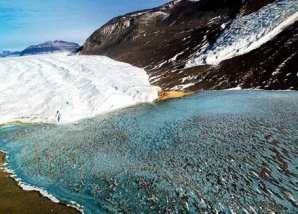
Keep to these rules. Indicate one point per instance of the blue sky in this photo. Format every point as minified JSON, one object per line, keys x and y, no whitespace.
{"x":27,"y":22}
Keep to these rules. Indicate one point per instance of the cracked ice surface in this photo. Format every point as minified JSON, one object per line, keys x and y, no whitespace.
{"x":249,"y":32}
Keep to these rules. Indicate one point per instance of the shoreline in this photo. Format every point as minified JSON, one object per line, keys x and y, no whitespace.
{"x":16,"y":197}
{"x":173,"y":94}
{"x":163,"y":95}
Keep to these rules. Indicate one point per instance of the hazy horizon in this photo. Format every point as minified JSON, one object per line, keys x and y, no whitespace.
{"x":30,"y":22}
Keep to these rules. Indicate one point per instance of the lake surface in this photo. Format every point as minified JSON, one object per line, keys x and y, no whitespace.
{"x":229,"y":151}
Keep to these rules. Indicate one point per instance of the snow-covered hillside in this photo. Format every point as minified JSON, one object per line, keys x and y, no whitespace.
{"x":59,"y":88}
{"x":247,"y":33}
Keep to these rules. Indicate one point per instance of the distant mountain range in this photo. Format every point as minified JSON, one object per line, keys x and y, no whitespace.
{"x":44,"y":48}
{"x":207,"y":44}
{"x":9,"y":53}
{"x":50,"y":47}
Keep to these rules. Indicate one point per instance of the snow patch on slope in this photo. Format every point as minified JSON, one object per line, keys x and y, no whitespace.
{"x":59,"y":88}
{"x":249,"y":32}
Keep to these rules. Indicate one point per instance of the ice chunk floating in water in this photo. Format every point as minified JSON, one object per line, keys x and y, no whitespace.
{"x":249,"y":32}
{"x":228,"y":151}
{"x":61,"y":88}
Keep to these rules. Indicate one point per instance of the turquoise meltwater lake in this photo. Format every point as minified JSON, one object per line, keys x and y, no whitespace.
{"x":214,"y":151}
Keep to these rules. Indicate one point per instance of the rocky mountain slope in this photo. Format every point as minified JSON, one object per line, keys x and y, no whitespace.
{"x":207,"y":44}
{"x":50,"y":47}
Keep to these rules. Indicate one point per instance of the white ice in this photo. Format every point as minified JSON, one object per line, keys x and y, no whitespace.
{"x":57,"y":88}
{"x":247,"y":33}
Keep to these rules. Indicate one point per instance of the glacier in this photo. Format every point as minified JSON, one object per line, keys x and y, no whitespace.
{"x":247,"y":33}
{"x":58,"y":88}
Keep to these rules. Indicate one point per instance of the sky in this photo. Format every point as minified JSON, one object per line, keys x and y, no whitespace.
{"x":28,"y":22}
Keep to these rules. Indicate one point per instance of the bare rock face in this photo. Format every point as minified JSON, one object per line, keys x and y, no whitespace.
{"x":164,"y":40}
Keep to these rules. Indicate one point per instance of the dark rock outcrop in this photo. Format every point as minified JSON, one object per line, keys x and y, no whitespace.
{"x":163,"y":39}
